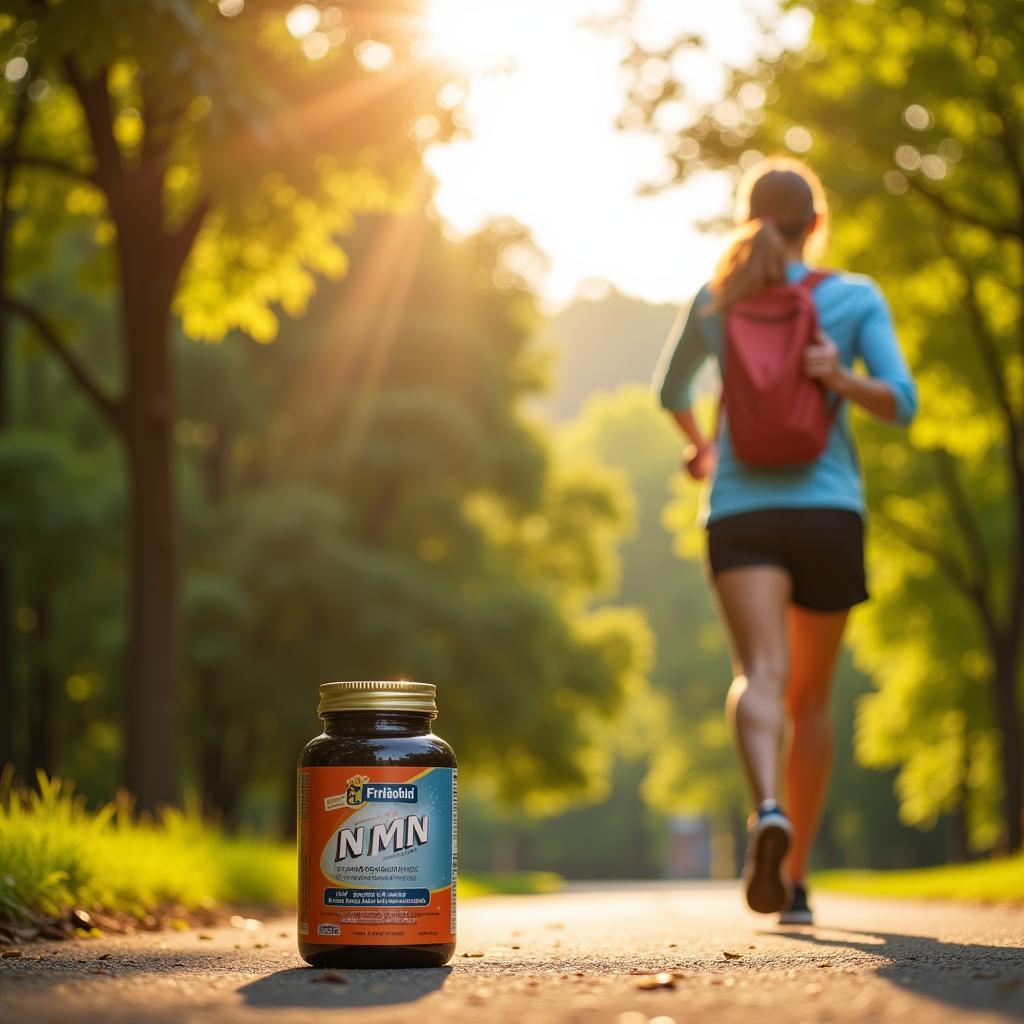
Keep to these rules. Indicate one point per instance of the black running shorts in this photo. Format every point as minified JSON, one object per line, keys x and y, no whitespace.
{"x":822,"y":549}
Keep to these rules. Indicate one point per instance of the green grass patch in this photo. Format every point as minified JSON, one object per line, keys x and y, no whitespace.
{"x":990,"y":881}
{"x":55,"y":854}
{"x":509,"y":883}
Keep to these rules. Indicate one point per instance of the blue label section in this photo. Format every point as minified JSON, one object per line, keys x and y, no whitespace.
{"x":376,"y":897}
{"x":392,"y":793}
{"x":400,"y":837}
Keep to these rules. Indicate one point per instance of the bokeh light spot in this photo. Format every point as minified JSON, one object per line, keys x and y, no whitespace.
{"x":798,"y":139}
{"x":301,"y":20}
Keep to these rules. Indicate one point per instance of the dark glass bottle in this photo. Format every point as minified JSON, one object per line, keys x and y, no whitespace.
{"x":377,"y":761}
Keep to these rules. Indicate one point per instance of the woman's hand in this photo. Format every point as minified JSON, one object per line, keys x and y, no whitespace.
{"x":822,"y":362}
{"x":700,"y":462}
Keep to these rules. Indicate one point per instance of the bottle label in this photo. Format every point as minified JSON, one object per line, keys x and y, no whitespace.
{"x":377,"y":855}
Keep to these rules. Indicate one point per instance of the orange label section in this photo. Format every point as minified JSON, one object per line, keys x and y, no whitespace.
{"x":377,"y":855}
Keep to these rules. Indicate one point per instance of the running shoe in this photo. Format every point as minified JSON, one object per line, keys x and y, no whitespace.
{"x":799,"y":910}
{"x":767,"y":888}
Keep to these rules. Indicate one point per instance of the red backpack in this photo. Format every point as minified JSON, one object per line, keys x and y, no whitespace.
{"x":778,"y":416}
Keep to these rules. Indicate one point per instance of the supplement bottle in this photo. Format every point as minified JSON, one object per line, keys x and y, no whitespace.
{"x":377,"y":819}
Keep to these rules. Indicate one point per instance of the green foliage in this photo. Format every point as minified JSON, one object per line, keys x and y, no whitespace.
{"x":364,"y":499}
{"x":55,"y":854}
{"x":509,"y":883}
{"x":988,"y":881}
{"x":383,"y":509}
{"x":274,"y":152}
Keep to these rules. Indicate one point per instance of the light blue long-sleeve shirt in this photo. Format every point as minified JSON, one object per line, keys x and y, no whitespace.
{"x":854,"y":313}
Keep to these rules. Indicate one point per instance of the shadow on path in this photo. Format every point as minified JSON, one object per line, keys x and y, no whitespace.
{"x":960,"y":974}
{"x":303,"y":987}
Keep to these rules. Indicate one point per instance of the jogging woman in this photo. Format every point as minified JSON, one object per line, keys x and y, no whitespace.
{"x":785,"y":544}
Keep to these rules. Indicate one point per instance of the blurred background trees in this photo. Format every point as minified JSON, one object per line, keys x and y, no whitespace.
{"x":361,"y":498}
{"x":263,"y":422}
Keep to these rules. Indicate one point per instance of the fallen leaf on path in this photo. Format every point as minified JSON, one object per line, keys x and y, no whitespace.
{"x":330,"y":977}
{"x":104,"y":956}
{"x":204,"y":936}
{"x":11,"y":954}
{"x":663,"y":979}
{"x":81,"y":918}
{"x":730,"y":955}
{"x":475,"y":953}
{"x":100,"y":970}
{"x":985,"y":975}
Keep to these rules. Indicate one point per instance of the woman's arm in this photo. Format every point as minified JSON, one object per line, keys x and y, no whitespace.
{"x":698,"y":457}
{"x":822,"y":362}
{"x":684,"y":353}
{"x":888,"y":392}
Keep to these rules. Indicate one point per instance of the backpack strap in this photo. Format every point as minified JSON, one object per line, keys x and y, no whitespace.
{"x":809,"y":283}
{"x":814,"y":278}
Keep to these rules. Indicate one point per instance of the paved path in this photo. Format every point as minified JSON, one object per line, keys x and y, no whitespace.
{"x":563,"y":958}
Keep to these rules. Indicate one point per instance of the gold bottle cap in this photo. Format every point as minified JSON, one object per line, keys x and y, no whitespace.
{"x":377,"y":695}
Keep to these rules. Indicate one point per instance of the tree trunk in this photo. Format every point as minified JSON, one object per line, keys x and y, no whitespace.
{"x":1008,"y":722}
{"x":8,"y":705}
{"x":219,"y":792}
{"x":959,"y":842}
{"x":8,"y":701}
{"x":152,"y":678}
{"x":40,"y":737}
{"x":226,"y":749}
{"x":148,"y":268}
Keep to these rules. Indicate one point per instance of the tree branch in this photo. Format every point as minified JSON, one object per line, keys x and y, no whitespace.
{"x":110,"y":407}
{"x":10,"y":155}
{"x":971,"y":589}
{"x":180,"y":242}
{"x":989,"y":352}
{"x":160,"y":114}
{"x":95,"y":101}
{"x":963,"y":514}
{"x":50,"y":163}
{"x":1009,"y":136}
{"x":956,"y":212}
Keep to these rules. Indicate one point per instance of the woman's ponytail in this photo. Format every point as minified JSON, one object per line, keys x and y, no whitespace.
{"x":779,"y":201}
{"x":755,"y":256}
